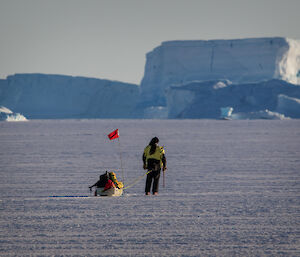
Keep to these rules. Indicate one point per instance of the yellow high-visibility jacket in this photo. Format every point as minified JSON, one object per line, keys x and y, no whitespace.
{"x":158,"y":154}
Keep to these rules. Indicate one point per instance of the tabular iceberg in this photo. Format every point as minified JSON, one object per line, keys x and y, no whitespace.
{"x":254,"y":78}
{"x":41,"y":96}
{"x":240,"y":61}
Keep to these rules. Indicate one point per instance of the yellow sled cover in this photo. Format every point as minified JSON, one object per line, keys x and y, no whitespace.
{"x":113,"y":177}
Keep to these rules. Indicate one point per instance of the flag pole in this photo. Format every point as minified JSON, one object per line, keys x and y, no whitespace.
{"x":122,"y":170}
{"x":114,"y":135}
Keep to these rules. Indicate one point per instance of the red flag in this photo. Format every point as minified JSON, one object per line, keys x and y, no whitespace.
{"x":113,"y":135}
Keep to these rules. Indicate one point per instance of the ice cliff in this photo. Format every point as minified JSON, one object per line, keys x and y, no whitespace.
{"x":290,"y":106}
{"x":240,"y":61}
{"x":56,"y":96}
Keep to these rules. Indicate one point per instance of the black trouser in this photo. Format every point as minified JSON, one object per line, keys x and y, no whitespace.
{"x":154,"y":175}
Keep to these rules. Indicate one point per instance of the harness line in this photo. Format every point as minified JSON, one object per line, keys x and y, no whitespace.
{"x":137,"y":180}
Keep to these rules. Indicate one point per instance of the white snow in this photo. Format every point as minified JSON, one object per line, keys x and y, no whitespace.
{"x":232,"y":189}
{"x":289,"y":65}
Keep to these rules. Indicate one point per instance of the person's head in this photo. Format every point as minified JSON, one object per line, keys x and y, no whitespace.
{"x":154,"y":141}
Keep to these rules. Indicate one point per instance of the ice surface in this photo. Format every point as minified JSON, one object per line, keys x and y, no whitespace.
{"x":240,"y":61}
{"x":232,"y":189}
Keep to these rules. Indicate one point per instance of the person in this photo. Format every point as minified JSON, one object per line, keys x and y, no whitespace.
{"x":103,"y":182}
{"x":154,"y":160}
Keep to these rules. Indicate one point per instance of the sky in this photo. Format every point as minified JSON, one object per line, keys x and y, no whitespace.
{"x":109,"y":39}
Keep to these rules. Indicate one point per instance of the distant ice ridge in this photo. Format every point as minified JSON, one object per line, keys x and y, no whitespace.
{"x":253,"y":78}
{"x":156,"y":112}
{"x":7,"y":115}
{"x":227,"y":114}
{"x":272,"y":99}
{"x":265,"y":114}
{"x":41,"y":96}
{"x":240,"y":61}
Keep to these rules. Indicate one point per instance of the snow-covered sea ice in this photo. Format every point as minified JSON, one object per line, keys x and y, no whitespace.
{"x":232,"y":189}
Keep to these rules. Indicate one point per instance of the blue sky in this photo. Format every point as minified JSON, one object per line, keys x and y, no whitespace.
{"x":109,"y":39}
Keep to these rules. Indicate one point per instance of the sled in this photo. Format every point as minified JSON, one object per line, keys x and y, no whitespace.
{"x":109,"y":192}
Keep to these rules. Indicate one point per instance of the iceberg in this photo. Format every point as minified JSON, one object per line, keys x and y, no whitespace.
{"x":42,"y":96}
{"x":256,"y":77}
{"x":240,"y":61}
{"x":16,"y":117}
{"x":7,"y":115}
{"x":198,"y":100}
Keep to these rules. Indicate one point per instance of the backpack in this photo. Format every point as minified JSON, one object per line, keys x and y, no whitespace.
{"x":113,"y":177}
{"x":102,"y":180}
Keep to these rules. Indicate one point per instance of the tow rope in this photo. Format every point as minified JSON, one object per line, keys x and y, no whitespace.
{"x":137,"y":180}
